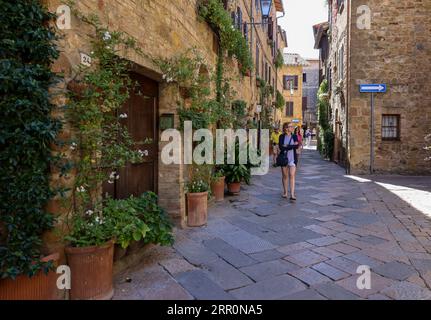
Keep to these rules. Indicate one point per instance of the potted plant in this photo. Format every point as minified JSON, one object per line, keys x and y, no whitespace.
{"x":40,"y":286}
{"x":197,"y":202}
{"x":235,"y":174}
{"x":217,"y":184}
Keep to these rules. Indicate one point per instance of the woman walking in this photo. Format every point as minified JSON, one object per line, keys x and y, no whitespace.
{"x":288,"y":159}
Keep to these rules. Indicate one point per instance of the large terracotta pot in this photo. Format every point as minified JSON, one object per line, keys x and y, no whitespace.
{"x":197,"y":209}
{"x":39,"y":287}
{"x":217,"y":189}
{"x":91,"y":272}
{"x":234,"y":187}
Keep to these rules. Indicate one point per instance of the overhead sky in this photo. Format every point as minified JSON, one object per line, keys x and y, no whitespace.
{"x":300,"y":17}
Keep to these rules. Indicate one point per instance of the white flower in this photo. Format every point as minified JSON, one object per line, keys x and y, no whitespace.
{"x":110,"y":181}
{"x":164,"y":76}
{"x":107,"y":36}
{"x":73,"y":146}
{"x":108,"y":47}
{"x":89,"y":212}
{"x":169,"y":80}
{"x":123,"y":116}
{"x":143,"y":153}
{"x":80,"y":189}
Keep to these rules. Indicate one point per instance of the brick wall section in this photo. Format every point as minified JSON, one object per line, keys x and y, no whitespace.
{"x":396,"y":51}
{"x":163,"y":29}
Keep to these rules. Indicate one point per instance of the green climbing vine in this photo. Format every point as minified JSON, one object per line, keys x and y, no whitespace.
{"x":326,"y":136}
{"x":27,"y":132}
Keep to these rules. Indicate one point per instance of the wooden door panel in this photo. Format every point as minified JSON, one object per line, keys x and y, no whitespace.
{"x":142,"y":118}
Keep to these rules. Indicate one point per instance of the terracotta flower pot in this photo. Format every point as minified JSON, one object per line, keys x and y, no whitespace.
{"x":234,"y":187}
{"x":217,"y":189}
{"x":91,"y":272}
{"x":197,"y":209}
{"x":38,"y":287}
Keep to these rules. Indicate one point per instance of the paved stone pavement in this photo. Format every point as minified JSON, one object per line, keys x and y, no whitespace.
{"x":260,"y":246}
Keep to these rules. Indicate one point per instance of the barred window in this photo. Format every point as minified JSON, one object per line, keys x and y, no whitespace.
{"x":390,"y":127}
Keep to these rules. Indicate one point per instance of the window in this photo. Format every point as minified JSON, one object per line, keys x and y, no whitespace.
{"x":257,"y":60}
{"x":341,"y":64}
{"x":304,"y":77}
{"x":289,"y":109}
{"x":391,"y":127}
{"x":245,"y":31}
{"x":340,"y":4}
{"x":304,"y":103}
{"x":288,"y":79}
{"x":239,"y":18}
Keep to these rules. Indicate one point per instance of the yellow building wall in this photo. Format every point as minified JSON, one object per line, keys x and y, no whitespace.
{"x":288,"y":70}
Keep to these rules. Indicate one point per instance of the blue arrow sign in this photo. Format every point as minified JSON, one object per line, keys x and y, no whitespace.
{"x":373,"y":88}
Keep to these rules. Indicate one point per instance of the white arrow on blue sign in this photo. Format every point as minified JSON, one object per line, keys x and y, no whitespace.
{"x":373,"y":88}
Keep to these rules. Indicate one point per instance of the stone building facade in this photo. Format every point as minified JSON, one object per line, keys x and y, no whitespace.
{"x":164,"y":29}
{"x":310,"y":88}
{"x":379,"y":42}
{"x":293,"y":72}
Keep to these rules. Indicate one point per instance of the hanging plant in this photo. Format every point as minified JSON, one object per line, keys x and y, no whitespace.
{"x":280,"y":102}
{"x":231,"y":39}
{"x":279,"y":60}
{"x":27,"y":131}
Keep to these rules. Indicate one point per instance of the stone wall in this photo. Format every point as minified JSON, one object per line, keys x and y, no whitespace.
{"x":396,"y":51}
{"x":310,"y":88}
{"x":163,"y":29}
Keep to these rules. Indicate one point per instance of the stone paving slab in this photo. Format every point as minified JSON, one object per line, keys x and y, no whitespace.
{"x":270,"y":289}
{"x":268,"y":269}
{"x":229,"y":253}
{"x":201,"y":286}
{"x":307,"y":250}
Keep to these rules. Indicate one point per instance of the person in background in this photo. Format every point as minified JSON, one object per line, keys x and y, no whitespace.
{"x":298,"y":133}
{"x":308,"y":137}
{"x":275,"y":138}
{"x":288,"y":144}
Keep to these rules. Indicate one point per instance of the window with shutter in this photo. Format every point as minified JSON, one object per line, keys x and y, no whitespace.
{"x":239,"y":18}
{"x":289,"y":109}
{"x":270,"y":29}
{"x":304,"y":77}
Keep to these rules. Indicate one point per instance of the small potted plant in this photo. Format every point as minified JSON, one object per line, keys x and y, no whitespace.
{"x":217,"y":184}
{"x":197,"y":202}
{"x":235,"y":174}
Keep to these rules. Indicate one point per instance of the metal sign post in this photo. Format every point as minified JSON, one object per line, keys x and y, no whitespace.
{"x":372,"y":88}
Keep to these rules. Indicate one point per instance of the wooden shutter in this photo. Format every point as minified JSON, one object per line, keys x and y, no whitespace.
{"x":270,"y":29}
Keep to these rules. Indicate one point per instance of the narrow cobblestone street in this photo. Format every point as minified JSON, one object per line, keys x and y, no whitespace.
{"x":260,"y":246}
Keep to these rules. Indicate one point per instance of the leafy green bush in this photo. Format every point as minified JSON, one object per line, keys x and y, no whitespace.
{"x":155,"y":218}
{"x":231,"y":39}
{"x":280,"y":102}
{"x":326,"y":139}
{"x":237,"y":172}
{"x":124,"y":221}
{"x":27,"y":130}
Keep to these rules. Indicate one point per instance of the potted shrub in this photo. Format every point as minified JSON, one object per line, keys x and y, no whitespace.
{"x":40,"y":286}
{"x":217,"y":185}
{"x":235,"y":174}
{"x":197,"y":203}
{"x":92,"y":237}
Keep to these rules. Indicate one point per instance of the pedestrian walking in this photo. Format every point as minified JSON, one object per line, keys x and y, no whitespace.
{"x":308,"y":137}
{"x":275,"y":138}
{"x":288,"y":159}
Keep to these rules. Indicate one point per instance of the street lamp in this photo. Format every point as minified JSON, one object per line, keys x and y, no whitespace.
{"x":266,"y":8}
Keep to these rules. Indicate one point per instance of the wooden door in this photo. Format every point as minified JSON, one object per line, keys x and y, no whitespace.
{"x":142,"y":124}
